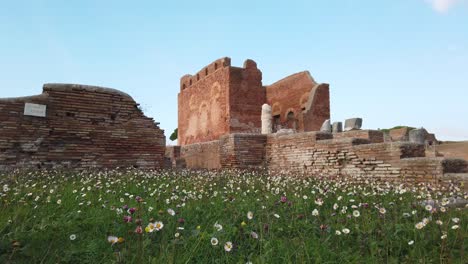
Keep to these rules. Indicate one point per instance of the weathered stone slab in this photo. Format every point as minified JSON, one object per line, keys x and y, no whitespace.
{"x":418,"y":135}
{"x":34,"y":110}
{"x":326,"y":126}
{"x":353,"y":124}
{"x":337,"y":127}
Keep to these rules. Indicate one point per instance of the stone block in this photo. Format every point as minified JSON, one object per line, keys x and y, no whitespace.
{"x":337,"y":127}
{"x":353,"y":124}
{"x":418,"y":135}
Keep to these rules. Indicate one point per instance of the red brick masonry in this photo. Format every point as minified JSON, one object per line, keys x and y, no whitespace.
{"x":84,"y":127}
{"x":221,"y":99}
{"x":353,"y":153}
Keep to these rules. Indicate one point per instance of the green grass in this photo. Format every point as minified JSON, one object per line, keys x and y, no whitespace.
{"x":36,"y":228}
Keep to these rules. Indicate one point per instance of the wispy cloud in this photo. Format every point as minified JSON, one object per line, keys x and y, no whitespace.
{"x":443,"y":6}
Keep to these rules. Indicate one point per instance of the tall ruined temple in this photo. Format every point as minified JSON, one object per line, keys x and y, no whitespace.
{"x":221,"y":99}
{"x":78,"y":126}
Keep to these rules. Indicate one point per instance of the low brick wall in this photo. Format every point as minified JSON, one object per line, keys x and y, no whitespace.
{"x":243,"y":151}
{"x":202,"y":155}
{"x":320,"y":154}
{"x":374,"y":136}
{"x":455,"y":166}
{"x":422,"y":169}
{"x":311,"y":154}
{"x":331,"y":157}
{"x":82,"y":127}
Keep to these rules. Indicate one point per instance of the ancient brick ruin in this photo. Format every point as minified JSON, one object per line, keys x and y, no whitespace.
{"x":227,"y":119}
{"x":220,"y":113}
{"x":78,"y":126}
{"x":221,"y":99}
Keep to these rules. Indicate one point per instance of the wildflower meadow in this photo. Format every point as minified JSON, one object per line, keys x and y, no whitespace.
{"x":133,"y":216}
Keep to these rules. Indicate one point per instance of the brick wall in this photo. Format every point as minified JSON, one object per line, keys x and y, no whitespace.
{"x":422,"y":169}
{"x":204,"y":155}
{"x":313,"y":154}
{"x":292,"y":151}
{"x":300,"y":95}
{"x":399,"y":134}
{"x":374,"y":136}
{"x":84,"y":126}
{"x":246,"y":97}
{"x":317,"y":108}
{"x":318,"y":153}
{"x":243,"y":151}
{"x":221,"y":99}
{"x":203,"y":104}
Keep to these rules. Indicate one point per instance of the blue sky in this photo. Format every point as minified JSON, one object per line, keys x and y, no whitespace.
{"x":399,"y":62}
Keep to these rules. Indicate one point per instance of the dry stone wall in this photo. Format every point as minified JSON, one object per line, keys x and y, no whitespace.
{"x":82,"y":127}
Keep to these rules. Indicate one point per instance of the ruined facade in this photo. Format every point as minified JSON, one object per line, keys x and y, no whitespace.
{"x":221,"y":99}
{"x":78,"y":126}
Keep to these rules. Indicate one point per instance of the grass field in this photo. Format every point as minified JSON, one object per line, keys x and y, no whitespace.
{"x":224,"y":217}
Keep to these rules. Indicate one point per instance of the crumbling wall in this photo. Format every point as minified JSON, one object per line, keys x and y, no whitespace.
{"x":83,"y":127}
{"x":400,"y":134}
{"x":298,"y":102}
{"x":320,"y":154}
{"x":314,"y":154}
{"x":243,"y":151}
{"x":246,"y":97}
{"x":317,"y":109}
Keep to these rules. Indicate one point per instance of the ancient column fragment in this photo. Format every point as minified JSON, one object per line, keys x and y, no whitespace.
{"x":326,"y":126}
{"x":337,"y":127}
{"x":266,"y":119}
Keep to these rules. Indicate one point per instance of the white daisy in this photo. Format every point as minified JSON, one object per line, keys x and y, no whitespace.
{"x":249,"y":215}
{"x":356,"y":213}
{"x":228,"y":246}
